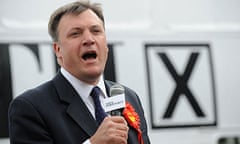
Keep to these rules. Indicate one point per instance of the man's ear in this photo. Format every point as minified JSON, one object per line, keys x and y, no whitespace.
{"x":56,"y":49}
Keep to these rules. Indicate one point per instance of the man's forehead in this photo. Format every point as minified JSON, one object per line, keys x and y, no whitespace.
{"x":86,"y":19}
{"x":87,"y":12}
{"x":83,"y":17}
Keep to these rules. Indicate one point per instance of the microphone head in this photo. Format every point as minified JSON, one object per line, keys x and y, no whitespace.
{"x":116,"y":89}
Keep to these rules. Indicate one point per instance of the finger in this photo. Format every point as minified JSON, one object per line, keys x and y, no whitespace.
{"x":116,"y":123}
{"x":123,"y":127}
{"x":123,"y":136}
{"x":119,"y":119}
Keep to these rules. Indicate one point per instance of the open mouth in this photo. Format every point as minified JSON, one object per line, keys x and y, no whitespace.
{"x":89,"y":55}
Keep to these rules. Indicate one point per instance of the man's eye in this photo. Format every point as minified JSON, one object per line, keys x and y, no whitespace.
{"x":96,"y":30}
{"x":74,"y":33}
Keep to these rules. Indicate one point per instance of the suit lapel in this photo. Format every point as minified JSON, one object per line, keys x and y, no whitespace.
{"x":76,"y":109}
{"x":81,"y":115}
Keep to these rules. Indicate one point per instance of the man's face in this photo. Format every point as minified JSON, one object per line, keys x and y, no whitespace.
{"x":82,"y":48}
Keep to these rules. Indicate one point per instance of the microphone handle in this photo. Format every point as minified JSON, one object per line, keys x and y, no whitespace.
{"x":116,"y":113}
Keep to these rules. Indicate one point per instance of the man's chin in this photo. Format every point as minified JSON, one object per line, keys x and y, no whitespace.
{"x":93,"y":78}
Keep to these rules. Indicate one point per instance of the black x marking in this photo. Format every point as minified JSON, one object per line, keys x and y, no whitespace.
{"x":181,"y":85}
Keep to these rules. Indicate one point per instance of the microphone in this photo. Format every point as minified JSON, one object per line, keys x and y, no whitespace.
{"x":117,"y":90}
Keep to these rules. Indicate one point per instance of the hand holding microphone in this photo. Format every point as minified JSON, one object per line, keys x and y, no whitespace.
{"x":113,"y":129}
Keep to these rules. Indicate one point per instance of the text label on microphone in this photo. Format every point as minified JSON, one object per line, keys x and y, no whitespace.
{"x":114,"y":103}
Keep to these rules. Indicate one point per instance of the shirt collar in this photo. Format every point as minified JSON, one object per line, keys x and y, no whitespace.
{"x":82,"y":88}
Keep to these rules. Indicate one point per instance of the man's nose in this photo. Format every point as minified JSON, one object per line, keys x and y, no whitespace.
{"x":88,"y":39}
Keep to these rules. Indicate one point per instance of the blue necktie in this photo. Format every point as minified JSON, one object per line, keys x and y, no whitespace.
{"x":100,"y":114}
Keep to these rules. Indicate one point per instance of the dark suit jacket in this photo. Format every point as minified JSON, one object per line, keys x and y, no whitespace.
{"x":54,"y":113}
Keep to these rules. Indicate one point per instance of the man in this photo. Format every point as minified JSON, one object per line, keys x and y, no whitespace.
{"x":62,"y":110}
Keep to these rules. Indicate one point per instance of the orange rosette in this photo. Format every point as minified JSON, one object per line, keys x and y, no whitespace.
{"x":133,"y":120}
